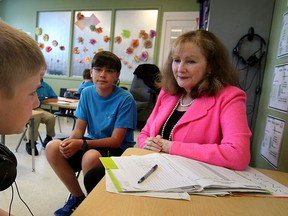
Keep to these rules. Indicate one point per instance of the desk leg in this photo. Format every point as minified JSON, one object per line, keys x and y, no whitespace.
{"x":32,"y":144}
{"x":3,"y":139}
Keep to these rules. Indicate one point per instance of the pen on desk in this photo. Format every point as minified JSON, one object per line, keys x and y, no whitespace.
{"x":148,"y":174}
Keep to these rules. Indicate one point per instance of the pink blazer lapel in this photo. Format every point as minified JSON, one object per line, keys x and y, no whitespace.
{"x":198,"y":109}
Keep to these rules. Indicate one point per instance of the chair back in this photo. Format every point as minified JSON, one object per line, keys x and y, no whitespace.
{"x":139,"y":90}
{"x":142,"y":86}
{"x":62,"y":92}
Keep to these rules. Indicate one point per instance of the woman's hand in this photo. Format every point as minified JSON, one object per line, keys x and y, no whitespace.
{"x":157,"y":144}
{"x":69,"y":147}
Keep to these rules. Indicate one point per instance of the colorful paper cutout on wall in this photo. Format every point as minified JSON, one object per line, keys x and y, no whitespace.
{"x":92,"y":27}
{"x":83,"y":22}
{"x":118,"y":39}
{"x":85,"y":49}
{"x":80,"y":40}
{"x":152,"y":34}
{"x":147,"y":44}
{"x":80,"y":16}
{"x":76,"y":50}
{"x":144,"y":56}
{"x":99,"y":30}
{"x":87,"y":59}
{"x":135,"y":43}
{"x":46,"y":37}
{"x":41,"y":45}
{"x":106,"y":38}
{"x":92,"y":41}
{"x":38,"y":31}
{"x":55,"y":43}
{"x":129,"y":50}
{"x":136,"y":58}
{"x":126,"y":33}
{"x":143,"y":34}
{"x":48,"y":49}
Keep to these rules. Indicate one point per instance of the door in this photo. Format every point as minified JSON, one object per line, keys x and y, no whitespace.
{"x":175,"y":24}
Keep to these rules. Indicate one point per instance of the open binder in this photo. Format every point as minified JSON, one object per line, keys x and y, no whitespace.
{"x":176,"y":174}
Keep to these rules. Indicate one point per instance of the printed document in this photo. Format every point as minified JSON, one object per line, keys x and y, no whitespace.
{"x":176,"y":174}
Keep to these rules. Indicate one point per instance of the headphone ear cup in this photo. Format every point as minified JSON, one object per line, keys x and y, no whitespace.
{"x":8,"y":167}
{"x":242,"y":60}
{"x":252,"y":60}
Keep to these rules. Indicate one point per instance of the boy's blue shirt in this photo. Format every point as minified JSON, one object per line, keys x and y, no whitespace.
{"x":103,"y":114}
{"x":84,"y":85}
{"x":45,"y":91}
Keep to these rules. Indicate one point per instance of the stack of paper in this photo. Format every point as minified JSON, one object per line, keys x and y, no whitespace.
{"x":177,"y":176}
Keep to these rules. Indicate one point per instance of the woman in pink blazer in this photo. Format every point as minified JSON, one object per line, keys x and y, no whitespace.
{"x":199,"y":113}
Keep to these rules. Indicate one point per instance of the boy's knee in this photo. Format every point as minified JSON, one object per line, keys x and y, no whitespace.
{"x":52,"y":147}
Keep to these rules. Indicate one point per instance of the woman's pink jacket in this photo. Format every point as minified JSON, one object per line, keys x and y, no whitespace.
{"x":213,"y":130}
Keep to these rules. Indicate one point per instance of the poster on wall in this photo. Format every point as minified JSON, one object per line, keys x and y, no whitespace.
{"x":283,"y":41}
{"x":279,"y":92}
{"x":271,"y":143}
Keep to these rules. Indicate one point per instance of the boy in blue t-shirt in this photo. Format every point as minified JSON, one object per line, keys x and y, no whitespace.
{"x":110,"y":115}
{"x":87,"y":80}
{"x":45,"y":94}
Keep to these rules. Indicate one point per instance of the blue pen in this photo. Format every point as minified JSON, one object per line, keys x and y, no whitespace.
{"x":148,"y":174}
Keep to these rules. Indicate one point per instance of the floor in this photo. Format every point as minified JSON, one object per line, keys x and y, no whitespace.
{"x":41,"y":190}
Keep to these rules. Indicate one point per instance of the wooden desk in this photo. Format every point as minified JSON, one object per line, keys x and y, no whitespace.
{"x":63,"y":103}
{"x":101,"y":202}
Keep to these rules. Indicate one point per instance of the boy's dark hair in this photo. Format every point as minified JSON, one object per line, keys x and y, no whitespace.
{"x":106,"y":59}
{"x":86,"y":74}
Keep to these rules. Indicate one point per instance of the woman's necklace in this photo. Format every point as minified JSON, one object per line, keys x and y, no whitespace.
{"x":163,"y":128}
{"x":180,"y":101}
{"x":185,"y":105}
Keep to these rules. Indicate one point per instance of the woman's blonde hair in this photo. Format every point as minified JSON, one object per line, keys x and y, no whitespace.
{"x":221,"y":73}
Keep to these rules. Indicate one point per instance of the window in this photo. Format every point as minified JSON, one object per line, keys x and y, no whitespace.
{"x":131,"y":36}
{"x":91,"y":35}
{"x":53,"y":36}
{"x":134,"y":39}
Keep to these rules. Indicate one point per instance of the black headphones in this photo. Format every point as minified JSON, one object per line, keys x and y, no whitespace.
{"x":8,"y":167}
{"x":256,"y":56}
